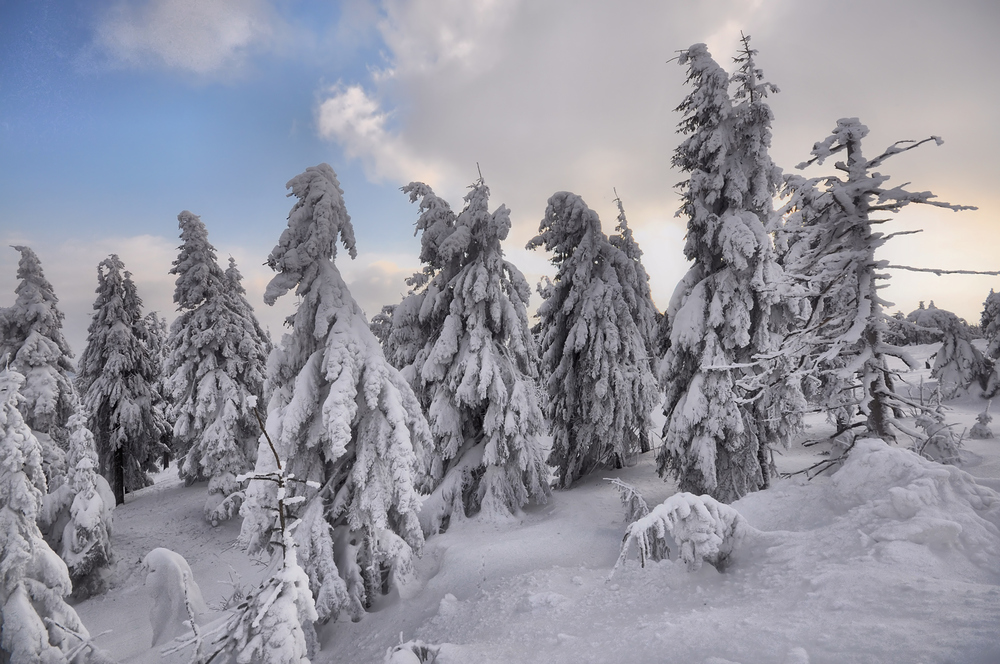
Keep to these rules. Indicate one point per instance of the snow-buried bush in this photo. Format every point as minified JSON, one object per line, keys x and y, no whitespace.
{"x":701,"y":528}
{"x":901,"y":496}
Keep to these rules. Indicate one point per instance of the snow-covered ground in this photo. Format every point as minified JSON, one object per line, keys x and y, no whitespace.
{"x":891,"y":559}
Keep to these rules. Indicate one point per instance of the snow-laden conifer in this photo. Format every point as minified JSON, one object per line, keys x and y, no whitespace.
{"x":117,"y":377}
{"x":648,"y":320}
{"x":36,"y":624}
{"x":215,"y":367}
{"x":957,"y":364}
{"x":724,"y":409}
{"x":32,"y":341}
{"x":596,"y":330}
{"x":339,"y":416}
{"x":832,"y":253}
{"x":990,"y":325}
{"x":463,"y":340}
{"x":86,"y":538}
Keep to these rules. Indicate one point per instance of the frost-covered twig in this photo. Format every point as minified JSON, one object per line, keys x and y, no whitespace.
{"x":633,"y":502}
{"x":85,"y":642}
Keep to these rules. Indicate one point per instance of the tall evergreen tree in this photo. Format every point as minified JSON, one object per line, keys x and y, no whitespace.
{"x":716,"y":440}
{"x":36,"y":624}
{"x":644,"y":312}
{"x":31,"y":339}
{"x":596,"y":337}
{"x":463,"y":341}
{"x":340,"y":418}
{"x":832,"y":253}
{"x":117,"y":377}
{"x":215,"y":367}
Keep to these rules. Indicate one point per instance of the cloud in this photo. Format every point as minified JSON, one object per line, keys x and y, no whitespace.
{"x":197,"y":36}
{"x":580,"y":95}
{"x":426,"y":36}
{"x":354,"y":120}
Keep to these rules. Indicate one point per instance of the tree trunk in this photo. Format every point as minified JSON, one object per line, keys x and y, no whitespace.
{"x":118,"y":472}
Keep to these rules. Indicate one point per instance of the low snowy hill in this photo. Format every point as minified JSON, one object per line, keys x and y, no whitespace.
{"x":890,"y":559}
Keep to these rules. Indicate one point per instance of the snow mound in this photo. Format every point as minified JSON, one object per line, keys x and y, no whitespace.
{"x":899,"y":496}
{"x":176,"y":597}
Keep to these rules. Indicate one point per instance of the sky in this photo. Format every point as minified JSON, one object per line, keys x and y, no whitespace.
{"x":116,"y":115}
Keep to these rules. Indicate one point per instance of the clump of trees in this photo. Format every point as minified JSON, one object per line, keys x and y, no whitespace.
{"x":462,"y":340}
{"x":597,"y":330}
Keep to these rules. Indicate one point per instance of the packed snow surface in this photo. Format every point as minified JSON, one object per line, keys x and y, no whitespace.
{"x":892,"y":558}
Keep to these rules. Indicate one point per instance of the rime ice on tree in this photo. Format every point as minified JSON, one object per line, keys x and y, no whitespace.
{"x":832,"y":253}
{"x":722,"y":413}
{"x":118,"y":374}
{"x":596,"y":336}
{"x":215,"y":366}
{"x":339,"y":415}
{"x":462,"y":340}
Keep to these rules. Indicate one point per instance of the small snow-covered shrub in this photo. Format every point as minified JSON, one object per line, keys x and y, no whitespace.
{"x":412,"y":652}
{"x":981,"y":429}
{"x":701,"y":528}
{"x":940,"y":443}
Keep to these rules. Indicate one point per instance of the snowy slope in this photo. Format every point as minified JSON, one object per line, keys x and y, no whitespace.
{"x":891,"y":559}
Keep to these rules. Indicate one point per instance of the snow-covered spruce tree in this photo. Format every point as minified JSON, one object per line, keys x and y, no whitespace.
{"x":721,"y":417}
{"x":596,"y":331}
{"x":643,"y":310}
{"x":117,"y":377}
{"x":957,"y":364}
{"x":463,"y":339}
{"x":31,"y":339}
{"x":215,"y":366}
{"x":154,"y":329}
{"x":85,"y":544}
{"x":832,"y":254}
{"x":36,"y":624}
{"x":339,"y":415}
{"x":990,"y":325}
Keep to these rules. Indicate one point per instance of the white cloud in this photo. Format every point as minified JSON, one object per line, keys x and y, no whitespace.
{"x":579,"y":95}
{"x":463,"y":36}
{"x":197,"y":36}
{"x":354,"y":120}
